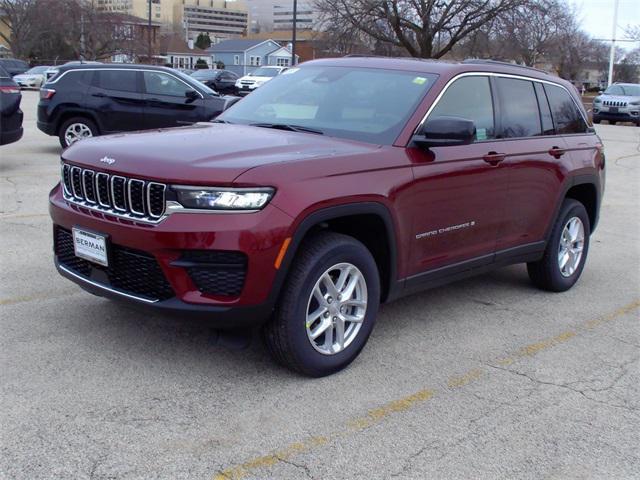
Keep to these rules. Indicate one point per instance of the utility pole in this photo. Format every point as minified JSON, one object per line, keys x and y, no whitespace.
{"x":612,"y":53}
{"x":295,"y":27}
{"x":149,"y":45}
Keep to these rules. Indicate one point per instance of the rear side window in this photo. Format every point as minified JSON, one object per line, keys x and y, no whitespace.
{"x":469,"y":98}
{"x":519,"y":108}
{"x":545,"y":111}
{"x":566,"y":115}
{"x":119,"y":80}
{"x":76,"y":80}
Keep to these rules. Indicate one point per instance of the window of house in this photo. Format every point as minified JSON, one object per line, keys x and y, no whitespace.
{"x":282,"y":61}
{"x":255,"y":61}
{"x":519,"y":107}
{"x":469,"y":98}
{"x":236,"y":59}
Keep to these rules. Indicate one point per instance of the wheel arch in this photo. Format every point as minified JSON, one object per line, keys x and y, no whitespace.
{"x":67,"y":114}
{"x":587,"y":190}
{"x":379,"y":238}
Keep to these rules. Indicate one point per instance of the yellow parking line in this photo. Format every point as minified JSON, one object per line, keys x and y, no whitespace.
{"x":23,"y":215}
{"x":409,"y":402}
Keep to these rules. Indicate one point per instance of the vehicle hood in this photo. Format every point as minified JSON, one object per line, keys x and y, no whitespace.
{"x":258,"y":79}
{"x":205,"y":153}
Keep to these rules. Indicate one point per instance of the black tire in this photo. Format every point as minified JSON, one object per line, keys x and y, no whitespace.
{"x":545,"y":273}
{"x":596,"y":120}
{"x":79,"y":120}
{"x":286,"y":333}
{"x":612,"y":122}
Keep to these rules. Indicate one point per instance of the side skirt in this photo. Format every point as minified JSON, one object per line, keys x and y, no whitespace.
{"x":530,"y":252}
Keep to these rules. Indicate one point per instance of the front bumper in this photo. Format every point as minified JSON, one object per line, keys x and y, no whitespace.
{"x":257,"y":235}
{"x":629,"y":113}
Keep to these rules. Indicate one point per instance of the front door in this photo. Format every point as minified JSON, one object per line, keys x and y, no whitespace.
{"x":459,"y":192}
{"x":167,"y":103}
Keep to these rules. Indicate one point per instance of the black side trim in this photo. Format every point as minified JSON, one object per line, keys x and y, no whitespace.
{"x":322,"y":215}
{"x":450,"y":273}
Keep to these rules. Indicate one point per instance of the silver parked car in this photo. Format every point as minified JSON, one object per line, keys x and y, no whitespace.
{"x":618,"y":103}
{"x":32,"y":78}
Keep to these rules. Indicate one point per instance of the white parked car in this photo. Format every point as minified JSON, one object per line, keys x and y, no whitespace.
{"x":257,"y":78}
{"x":32,"y":78}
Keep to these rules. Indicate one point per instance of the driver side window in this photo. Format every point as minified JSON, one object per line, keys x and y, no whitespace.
{"x":157,"y":83}
{"x":469,"y":98}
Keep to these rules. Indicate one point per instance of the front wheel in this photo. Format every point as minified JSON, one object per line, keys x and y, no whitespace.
{"x":566,"y":252}
{"x":328,"y":307}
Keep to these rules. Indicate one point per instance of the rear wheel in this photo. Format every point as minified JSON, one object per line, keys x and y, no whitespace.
{"x":612,"y":122}
{"x":75,"y":129}
{"x":328,"y":307}
{"x":596,"y":120}
{"x":566,"y":252}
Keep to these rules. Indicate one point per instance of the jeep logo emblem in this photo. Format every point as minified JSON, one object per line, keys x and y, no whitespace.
{"x":108,"y":160}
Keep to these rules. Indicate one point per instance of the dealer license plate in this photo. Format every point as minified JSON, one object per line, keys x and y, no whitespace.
{"x":90,"y":246}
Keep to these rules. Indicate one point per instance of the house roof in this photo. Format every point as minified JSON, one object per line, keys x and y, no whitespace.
{"x":236,"y":45}
{"x":174,"y":43}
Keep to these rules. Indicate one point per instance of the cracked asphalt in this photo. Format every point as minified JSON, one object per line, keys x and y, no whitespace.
{"x":488,"y":378}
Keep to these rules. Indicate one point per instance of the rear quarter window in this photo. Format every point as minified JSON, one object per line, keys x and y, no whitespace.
{"x":566,"y":115}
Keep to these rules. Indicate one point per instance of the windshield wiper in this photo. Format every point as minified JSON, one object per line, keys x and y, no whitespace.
{"x":219,"y":120}
{"x":289,"y":127}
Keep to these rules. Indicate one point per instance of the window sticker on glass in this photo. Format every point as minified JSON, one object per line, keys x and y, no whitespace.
{"x":290,"y":71}
{"x":419,"y":80}
{"x":481,"y":134}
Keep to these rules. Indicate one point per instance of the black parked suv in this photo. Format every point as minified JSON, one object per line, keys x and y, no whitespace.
{"x":10,"y":113}
{"x":83,"y":101}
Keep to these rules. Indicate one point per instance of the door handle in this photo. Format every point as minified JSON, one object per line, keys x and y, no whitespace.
{"x":494,"y":158}
{"x":556,"y":152}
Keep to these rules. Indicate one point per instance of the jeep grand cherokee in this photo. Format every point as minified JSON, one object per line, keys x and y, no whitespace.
{"x":338,"y":185}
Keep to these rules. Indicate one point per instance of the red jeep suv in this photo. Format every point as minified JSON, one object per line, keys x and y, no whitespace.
{"x":338,"y":185}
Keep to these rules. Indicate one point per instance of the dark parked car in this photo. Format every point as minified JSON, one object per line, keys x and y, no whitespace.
{"x":14,"y":66}
{"x":221,"y":81}
{"x":10,"y":113}
{"x":83,"y":101}
{"x":339,"y":185}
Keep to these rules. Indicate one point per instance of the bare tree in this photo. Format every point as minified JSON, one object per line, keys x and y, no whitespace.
{"x":423,"y":28}
{"x":18,"y":22}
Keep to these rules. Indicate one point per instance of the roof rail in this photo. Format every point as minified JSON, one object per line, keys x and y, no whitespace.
{"x":481,"y":61}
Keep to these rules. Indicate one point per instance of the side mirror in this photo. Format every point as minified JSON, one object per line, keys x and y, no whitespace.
{"x":446,"y":131}
{"x":191,"y":94}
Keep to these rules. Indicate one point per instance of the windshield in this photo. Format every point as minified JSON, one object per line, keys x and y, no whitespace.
{"x":628,"y":90}
{"x":265,"y":72}
{"x":365,"y":104}
{"x":35,"y":70}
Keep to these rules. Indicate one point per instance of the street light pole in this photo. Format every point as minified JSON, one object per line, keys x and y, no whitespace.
{"x":612,"y":53}
{"x":295,"y":27}
{"x":149,"y":32}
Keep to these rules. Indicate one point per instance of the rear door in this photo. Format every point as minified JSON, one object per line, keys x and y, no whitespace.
{"x":116,"y":99}
{"x":535,"y":119}
{"x":167,"y":103}
{"x":459,"y":191}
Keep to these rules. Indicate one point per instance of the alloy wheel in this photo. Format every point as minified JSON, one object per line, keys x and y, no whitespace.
{"x":75,"y":132}
{"x":571,"y":246}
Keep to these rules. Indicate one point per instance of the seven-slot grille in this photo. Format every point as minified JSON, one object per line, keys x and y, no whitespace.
{"x":614,"y":103}
{"x":128,"y":197}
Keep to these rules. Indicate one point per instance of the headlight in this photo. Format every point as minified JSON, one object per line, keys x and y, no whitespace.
{"x":212,"y":198}
{"x":635,"y":103}
{"x":596,"y":100}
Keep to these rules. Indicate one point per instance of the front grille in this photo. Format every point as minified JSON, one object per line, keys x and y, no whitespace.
{"x":131,"y":271}
{"x":613,"y":103}
{"x":215,"y":272}
{"x":128,"y":197}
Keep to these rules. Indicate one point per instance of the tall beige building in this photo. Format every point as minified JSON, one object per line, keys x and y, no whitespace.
{"x":221,"y":19}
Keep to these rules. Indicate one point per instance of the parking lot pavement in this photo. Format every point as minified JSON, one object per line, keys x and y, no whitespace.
{"x":487,"y":378}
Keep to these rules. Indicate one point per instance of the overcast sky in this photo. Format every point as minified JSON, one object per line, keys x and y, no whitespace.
{"x":597,"y":17}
